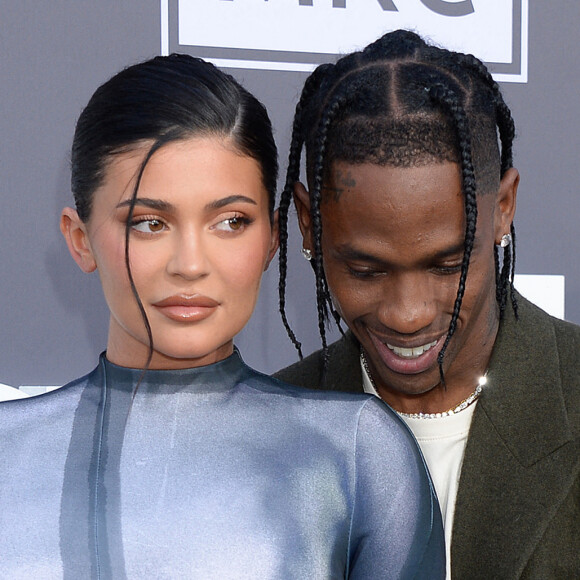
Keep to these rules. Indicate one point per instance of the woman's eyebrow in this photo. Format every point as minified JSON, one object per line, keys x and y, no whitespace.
{"x":219,"y":203}
{"x":168,"y":207}
{"x":147,"y":202}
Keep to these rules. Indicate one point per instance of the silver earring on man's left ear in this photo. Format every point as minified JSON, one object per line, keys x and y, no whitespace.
{"x":506,"y":240}
{"x":306,"y":253}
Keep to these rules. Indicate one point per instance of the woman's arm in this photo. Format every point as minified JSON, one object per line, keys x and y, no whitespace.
{"x":397,"y":530}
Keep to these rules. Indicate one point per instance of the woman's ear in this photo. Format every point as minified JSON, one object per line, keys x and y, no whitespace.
{"x":274,"y":240}
{"x":505,"y":203}
{"x":75,"y":233}
{"x":302,"y":202}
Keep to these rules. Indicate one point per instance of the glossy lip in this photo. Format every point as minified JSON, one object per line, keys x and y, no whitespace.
{"x":183,"y":308}
{"x":403,"y":365}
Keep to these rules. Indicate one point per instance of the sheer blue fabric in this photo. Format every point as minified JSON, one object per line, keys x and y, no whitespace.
{"x":215,"y":472}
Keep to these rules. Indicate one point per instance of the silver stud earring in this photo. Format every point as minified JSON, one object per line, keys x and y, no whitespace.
{"x":306,"y":253}
{"x":506,"y":240}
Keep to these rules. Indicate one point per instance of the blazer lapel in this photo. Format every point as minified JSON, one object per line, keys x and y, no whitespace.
{"x":517,"y":464}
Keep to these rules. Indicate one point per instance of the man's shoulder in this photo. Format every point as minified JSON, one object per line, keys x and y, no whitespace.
{"x":343,"y":370}
{"x":304,"y":373}
{"x":538,"y":355}
{"x":539,"y":316}
{"x":568,"y":344}
{"x":566,"y":334}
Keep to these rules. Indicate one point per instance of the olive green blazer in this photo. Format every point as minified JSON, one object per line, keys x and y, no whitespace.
{"x":517,"y":513}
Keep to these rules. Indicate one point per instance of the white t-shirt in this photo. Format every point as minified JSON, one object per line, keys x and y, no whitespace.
{"x":442,"y":441}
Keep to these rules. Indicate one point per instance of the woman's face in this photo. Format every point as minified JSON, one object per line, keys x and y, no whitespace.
{"x":200,"y":240}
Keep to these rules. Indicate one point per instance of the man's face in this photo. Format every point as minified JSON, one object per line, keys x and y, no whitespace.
{"x":392,"y":244}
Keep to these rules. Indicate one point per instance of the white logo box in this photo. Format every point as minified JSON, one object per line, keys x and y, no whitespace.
{"x":299,"y":34}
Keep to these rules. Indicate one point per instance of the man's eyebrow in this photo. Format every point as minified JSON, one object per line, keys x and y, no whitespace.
{"x":156,"y":204}
{"x":350,"y":253}
{"x":224,"y":201}
{"x":452,"y":251}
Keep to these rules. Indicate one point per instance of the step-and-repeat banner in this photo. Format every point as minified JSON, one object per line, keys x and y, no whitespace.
{"x":54,"y":55}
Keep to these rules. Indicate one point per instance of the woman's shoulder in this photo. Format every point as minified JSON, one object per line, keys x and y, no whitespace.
{"x":358,"y":413}
{"x":55,"y":401}
{"x":278,"y":386}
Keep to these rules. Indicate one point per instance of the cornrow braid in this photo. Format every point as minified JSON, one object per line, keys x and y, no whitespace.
{"x":497,"y":273}
{"x":396,"y":45}
{"x":506,"y":127}
{"x":292,"y":176}
{"x":323,"y":300}
{"x":513,"y":272}
{"x":442,"y":95}
{"x":504,"y":118}
{"x":399,"y":102}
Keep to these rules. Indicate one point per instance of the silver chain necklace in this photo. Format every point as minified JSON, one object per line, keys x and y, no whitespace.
{"x":454,"y":410}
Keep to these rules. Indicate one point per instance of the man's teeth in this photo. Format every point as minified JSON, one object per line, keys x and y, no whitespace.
{"x":411,"y":352}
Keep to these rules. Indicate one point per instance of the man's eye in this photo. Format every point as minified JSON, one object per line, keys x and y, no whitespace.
{"x":358,"y":272}
{"x":451,"y":269}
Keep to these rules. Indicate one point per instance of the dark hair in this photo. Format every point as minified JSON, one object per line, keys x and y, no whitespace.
{"x":167,"y":98}
{"x":400,"y":102}
{"x":162,"y":100}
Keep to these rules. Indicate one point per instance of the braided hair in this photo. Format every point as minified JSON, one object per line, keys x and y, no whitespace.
{"x":404,"y":103}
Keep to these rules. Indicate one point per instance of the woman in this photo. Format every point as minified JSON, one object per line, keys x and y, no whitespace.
{"x":173,"y":459}
{"x":408,"y":219}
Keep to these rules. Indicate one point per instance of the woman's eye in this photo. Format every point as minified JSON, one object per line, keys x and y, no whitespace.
{"x":232,"y":224}
{"x":148,"y":226}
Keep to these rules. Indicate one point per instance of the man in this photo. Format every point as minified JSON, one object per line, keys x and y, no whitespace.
{"x":410,"y":203}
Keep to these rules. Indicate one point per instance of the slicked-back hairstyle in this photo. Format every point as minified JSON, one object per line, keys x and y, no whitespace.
{"x":400,"y":102}
{"x":165,"y":99}
{"x":159,"y":101}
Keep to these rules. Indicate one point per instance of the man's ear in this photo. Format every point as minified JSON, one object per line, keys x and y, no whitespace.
{"x":302,"y":202}
{"x":505,"y":203}
{"x":274,"y":240}
{"x":74,"y":231}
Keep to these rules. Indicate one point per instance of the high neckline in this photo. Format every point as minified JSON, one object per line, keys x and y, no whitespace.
{"x":220,"y":376}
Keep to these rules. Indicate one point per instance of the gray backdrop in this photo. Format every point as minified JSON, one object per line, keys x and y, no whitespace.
{"x":52,"y":57}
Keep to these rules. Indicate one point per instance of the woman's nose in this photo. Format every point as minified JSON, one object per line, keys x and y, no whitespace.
{"x":188,"y":259}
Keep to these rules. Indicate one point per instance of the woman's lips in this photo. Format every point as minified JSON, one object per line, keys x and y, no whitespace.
{"x":187,"y":308}
{"x":408,"y":360}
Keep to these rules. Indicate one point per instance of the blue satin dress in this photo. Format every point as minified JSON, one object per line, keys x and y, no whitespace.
{"x":217,"y":472}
